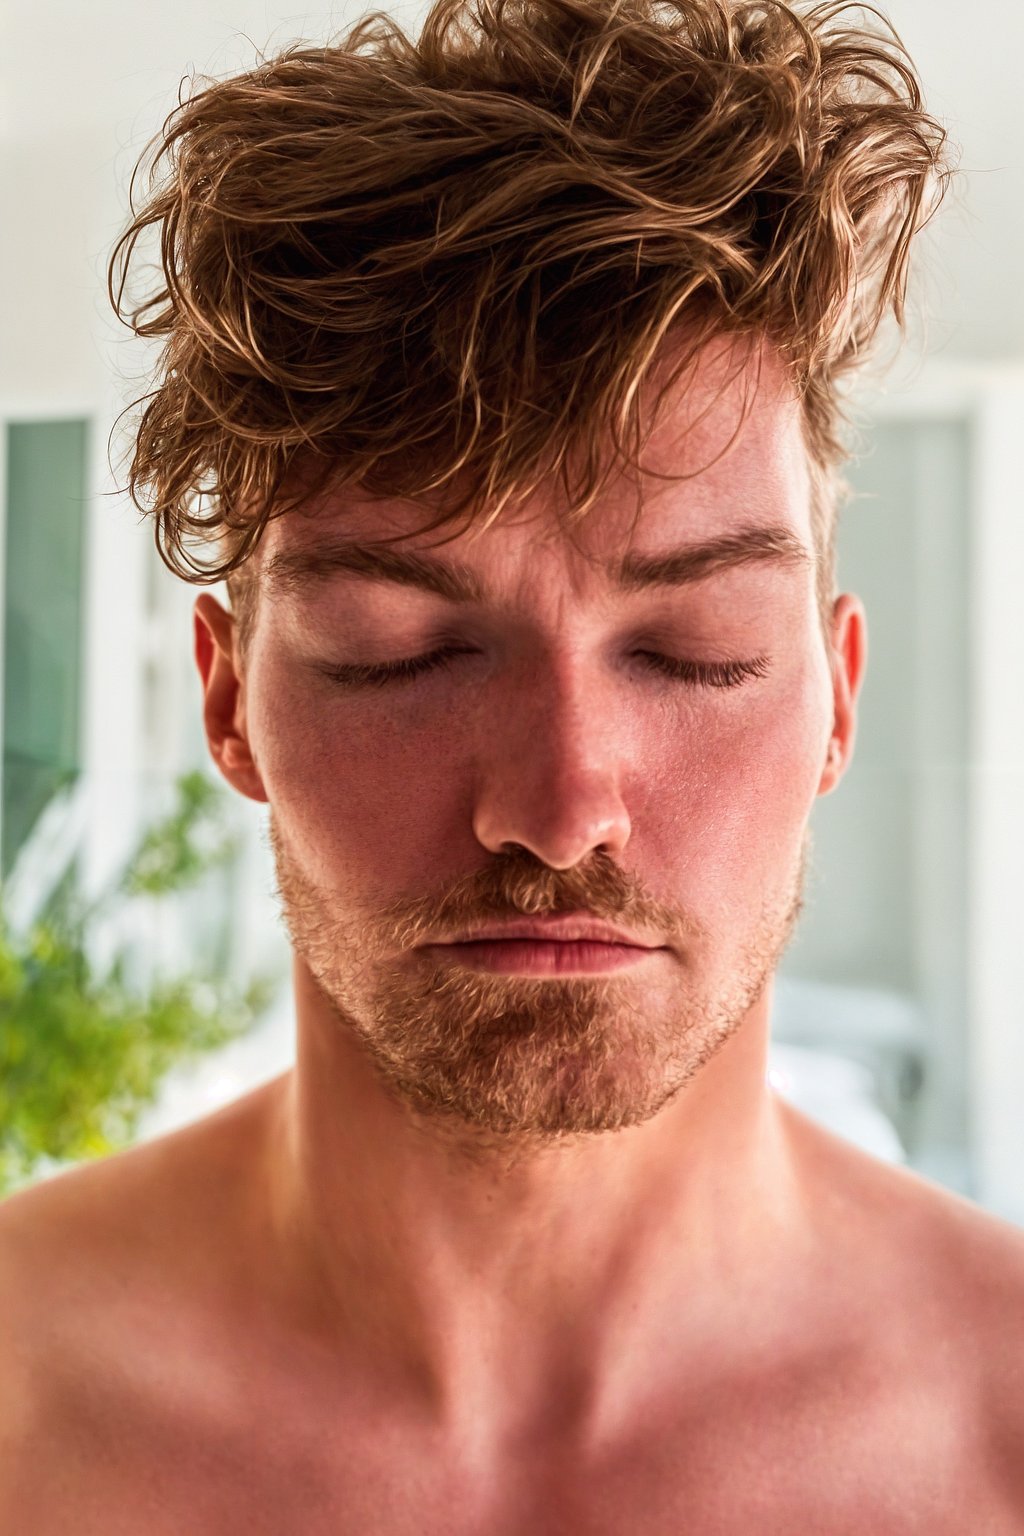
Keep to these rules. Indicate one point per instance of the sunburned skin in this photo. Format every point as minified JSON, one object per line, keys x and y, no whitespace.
{"x":520,"y":1246}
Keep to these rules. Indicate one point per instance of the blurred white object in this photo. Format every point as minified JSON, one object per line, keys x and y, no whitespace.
{"x":838,"y":1093}
{"x":873,"y":1018}
{"x":191,"y":1091}
{"x":46,"y":855}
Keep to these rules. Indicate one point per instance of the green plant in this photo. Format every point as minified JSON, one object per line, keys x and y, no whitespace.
{"x":82,"y":1050}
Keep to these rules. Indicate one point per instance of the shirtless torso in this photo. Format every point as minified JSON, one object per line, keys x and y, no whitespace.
{"x":152,"y":1384}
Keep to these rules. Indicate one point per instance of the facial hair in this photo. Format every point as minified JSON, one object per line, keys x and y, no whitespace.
{"x":522,"y":1058}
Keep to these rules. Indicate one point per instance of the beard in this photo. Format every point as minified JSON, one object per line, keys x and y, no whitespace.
{"x":522,"y":1058}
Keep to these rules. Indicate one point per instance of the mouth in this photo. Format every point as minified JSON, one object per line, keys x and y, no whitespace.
{"x":531,"y":956}
{"x":563,"y":928}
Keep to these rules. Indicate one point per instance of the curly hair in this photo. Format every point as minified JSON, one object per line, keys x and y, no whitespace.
{"x":443,"y":268}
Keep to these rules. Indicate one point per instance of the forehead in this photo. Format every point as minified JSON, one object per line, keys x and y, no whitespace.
{"x":726,"y":455}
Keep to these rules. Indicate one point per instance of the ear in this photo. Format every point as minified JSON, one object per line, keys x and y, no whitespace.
{"x":216,"y":653}
{"x":849,"y":635}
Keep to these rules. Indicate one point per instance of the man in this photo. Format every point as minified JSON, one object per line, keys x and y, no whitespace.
{"x":524,"y":1242}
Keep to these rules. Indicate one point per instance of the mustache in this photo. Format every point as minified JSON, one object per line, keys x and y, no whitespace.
{"x":518,"y":884}
{"x":513,"y":885}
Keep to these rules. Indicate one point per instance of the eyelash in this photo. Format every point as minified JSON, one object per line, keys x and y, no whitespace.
{"x":703,"y":674}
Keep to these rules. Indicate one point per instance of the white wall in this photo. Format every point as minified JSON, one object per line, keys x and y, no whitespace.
{"x":83,"y":85}
{"x":969,"y":58}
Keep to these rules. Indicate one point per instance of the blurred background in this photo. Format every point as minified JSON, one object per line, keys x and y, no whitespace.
{"x":143,"y":967}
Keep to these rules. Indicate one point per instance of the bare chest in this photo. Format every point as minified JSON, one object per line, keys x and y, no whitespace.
{"x":910,"y":1466}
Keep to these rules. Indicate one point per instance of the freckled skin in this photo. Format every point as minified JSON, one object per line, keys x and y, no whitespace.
{"x":420,"y":1283}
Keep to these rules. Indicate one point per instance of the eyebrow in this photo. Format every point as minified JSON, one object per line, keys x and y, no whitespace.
{"x":291,"y":570}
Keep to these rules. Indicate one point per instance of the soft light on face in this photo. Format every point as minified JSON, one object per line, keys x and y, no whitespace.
{"x":648,"y":756}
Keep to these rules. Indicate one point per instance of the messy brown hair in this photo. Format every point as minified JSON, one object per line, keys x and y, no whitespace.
{"x":444,"y":268}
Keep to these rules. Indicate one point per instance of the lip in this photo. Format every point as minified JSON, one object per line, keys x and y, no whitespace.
{"x":560,"y":929}
{"x":543,"y":957}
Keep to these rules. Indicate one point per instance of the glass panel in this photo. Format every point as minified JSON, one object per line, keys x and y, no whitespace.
{"x":46,"y":478}
{"x":878,"y":966}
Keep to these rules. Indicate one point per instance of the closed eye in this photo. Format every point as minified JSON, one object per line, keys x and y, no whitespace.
{"x":702,"y":674}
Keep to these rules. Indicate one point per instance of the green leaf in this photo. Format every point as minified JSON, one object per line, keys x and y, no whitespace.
{"x":82,"y":1054}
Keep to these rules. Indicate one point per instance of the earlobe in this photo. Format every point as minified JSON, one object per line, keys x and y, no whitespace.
{"x":216,"y":655}
{"x":832,"y":771}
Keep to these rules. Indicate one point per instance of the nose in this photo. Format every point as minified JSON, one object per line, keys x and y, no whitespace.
{"x":550,"y":774}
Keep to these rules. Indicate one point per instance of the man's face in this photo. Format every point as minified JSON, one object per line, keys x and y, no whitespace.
{"x":551,"y":766}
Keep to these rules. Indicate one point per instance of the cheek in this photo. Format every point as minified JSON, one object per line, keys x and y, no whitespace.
{"x":727,"y":793}
{"x":354,"y":793}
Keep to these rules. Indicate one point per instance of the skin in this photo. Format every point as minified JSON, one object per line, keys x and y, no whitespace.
{"x":335,"y":1307}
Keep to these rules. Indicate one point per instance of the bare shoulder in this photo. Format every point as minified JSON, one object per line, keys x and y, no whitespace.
{"x":950,"y":1277}
{"x":115,"y":1279}
{"x":984,"y":1303}
{"x":891,"y":1208}
{"x":92,"y":1258}
{"x":130,"y":1197}
{"x":978,"y":1260}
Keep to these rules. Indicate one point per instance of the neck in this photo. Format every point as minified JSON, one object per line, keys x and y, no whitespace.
{"x":478,"y":1282}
